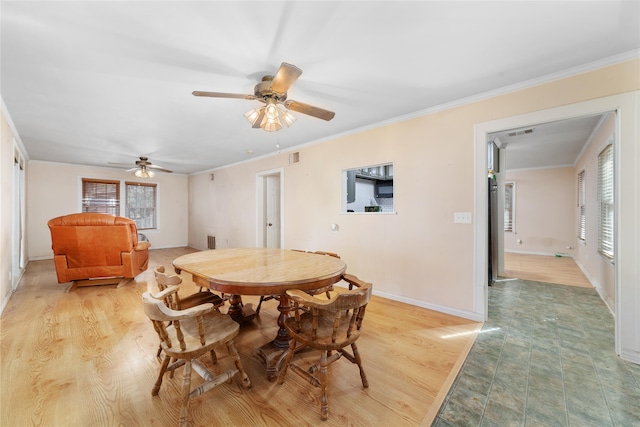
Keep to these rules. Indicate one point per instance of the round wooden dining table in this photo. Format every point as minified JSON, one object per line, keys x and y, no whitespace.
{"x":261,"y":271}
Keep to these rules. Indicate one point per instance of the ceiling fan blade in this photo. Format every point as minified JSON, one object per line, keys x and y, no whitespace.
{"x":286,"y":75}
{"x":132,"y":169}
{"x":310,"y":110}
{"x":120,"y":165}
{"x":159,"y":168}
{"x":222,"y":95}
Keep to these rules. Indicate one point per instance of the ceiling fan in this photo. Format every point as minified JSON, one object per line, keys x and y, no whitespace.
{"x":141,"y":170}
{"x":272,"y":91}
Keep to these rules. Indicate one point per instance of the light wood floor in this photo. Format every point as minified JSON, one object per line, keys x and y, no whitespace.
{"x":548,"y":269}
{"x":88,"y":358}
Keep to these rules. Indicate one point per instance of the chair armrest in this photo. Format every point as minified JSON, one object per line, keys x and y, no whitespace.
{"x":164,"y":313}
{"x":169,"y":290}
{"x":189,"y":313}
{"x":304,"y":298}
{"x":353,"y":280}
{"x":141,"y":246}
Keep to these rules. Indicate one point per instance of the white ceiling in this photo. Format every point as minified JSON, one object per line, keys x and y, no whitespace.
{"x":544,"y":145}
{"x":98,"y":82}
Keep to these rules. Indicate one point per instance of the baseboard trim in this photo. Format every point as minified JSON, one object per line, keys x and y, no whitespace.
{"x":539,"y":253}
{"x":608,"y":301}
{"x":630,"y":356}
{"x":476,"y":317}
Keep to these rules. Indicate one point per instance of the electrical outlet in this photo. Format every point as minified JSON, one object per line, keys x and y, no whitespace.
{"x":462,"y":217}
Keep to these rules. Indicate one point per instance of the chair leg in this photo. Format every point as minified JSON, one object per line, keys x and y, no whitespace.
{"x":356,"y":356}
{"x":214,"y":360}
{"x":163,"y":369}
{"x":287,"y":360}
{"x":324,"y":403}
{"x":186,"y":389}
{"x":246,"y":382}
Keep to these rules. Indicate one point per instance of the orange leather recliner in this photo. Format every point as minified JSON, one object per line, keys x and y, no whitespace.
{"x":96,"y":246}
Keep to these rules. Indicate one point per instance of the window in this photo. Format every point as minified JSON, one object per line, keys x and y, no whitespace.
{"x":605,"y":201}
{"x":509,"y":206}
{"x":368,"y":189}
{"x":100,"y":195}
{"x":582,"y":209}
{"x":141,"y":204}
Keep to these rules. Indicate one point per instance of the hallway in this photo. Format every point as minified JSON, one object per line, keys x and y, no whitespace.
{"x":545,"y":357}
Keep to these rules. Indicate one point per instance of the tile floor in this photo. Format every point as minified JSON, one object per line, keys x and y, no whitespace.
{"x":545,"y":357}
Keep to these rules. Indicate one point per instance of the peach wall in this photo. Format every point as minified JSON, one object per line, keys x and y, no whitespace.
{"x":418,"y":255}
{"x":545,"y":217}
{"x":598,"y":269}
{"x":54,"y":189}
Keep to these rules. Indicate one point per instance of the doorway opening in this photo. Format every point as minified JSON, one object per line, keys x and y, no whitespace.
{"x":270,"y":208}
{"x":544,"y":158}
{"x":626,"y":188}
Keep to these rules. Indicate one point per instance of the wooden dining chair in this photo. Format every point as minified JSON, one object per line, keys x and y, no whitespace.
{"x":174,"y":301}
{"x":330,"y":326}
{"x":311,"y":292}
{"x":188,"y":334}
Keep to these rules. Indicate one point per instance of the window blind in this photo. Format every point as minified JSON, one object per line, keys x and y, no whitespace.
{"x":141,"y":204}
{"x":101,"y":196}
{"x":582,"y":209}
{"x":605,"y":201}
{"x":509,"y":206}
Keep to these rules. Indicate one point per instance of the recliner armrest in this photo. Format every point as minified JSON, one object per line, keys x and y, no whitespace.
{"x":141,"y":246}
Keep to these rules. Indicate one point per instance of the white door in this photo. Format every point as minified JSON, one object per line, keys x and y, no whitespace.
{"x":269,"y":209}
{"x":272,"y":210}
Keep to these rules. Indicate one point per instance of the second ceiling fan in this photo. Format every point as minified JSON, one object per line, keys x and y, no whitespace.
{"x":272,"y":91}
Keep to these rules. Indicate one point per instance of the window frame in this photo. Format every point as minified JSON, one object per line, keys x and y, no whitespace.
{"x":154,"y":216}
{"x":512,"y":211}
{"x":606,"y":201}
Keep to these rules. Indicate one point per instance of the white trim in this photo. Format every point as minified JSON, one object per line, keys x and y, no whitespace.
{"x":435,"y":307}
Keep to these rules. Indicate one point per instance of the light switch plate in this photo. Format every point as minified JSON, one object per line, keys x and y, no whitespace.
{"x":462,"y":217}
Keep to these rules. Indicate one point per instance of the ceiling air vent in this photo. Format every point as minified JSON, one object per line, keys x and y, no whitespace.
{"x":520,"y":132}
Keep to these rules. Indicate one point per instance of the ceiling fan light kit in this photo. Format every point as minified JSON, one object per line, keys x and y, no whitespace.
{"x":272,"y":91}
{"x":270,"y":117}
{"x":144,"y":173}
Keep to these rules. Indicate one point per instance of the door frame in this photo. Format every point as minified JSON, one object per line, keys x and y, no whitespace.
{"x":261,"y":203}
{"x":627,"y":205}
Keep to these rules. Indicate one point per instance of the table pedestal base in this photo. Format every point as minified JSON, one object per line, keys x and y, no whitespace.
{"x":273,"y":358}
{"x":238,"y":312}
{"x":272,"y":352}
